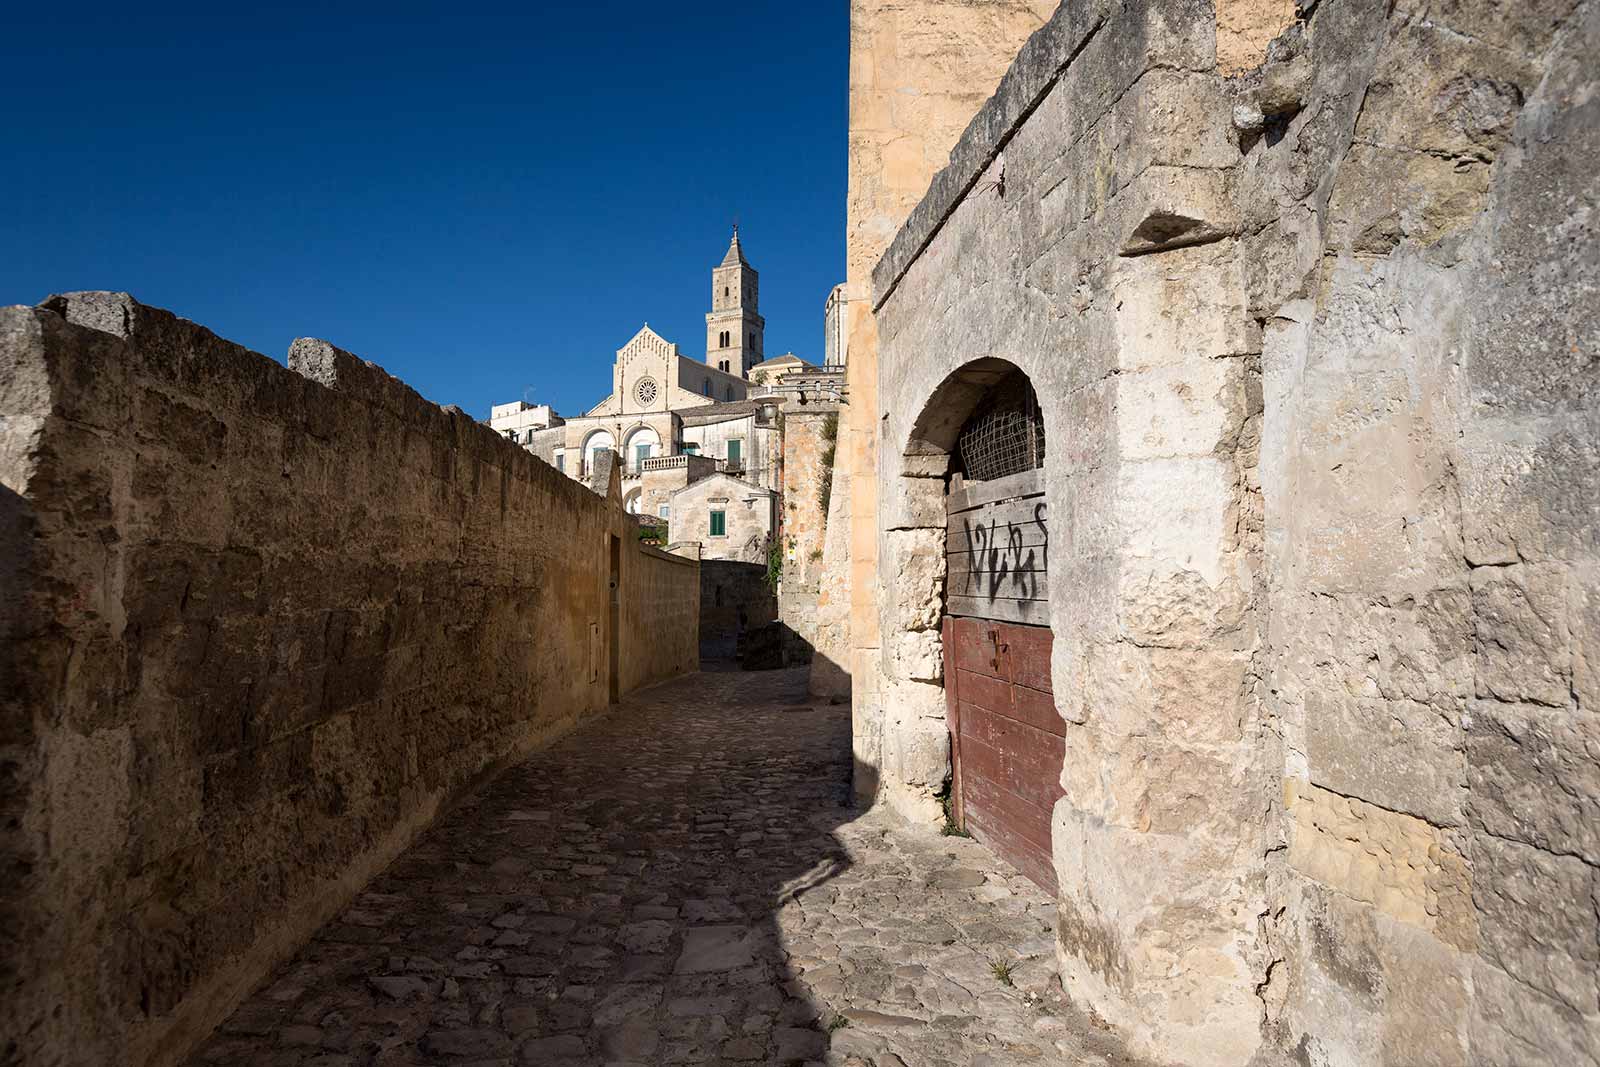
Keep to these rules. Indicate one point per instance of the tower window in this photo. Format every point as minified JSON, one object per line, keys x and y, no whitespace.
{"x":724,"y":292}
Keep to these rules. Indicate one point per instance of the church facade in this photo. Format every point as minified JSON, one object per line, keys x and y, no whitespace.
{"x":665,"y":408}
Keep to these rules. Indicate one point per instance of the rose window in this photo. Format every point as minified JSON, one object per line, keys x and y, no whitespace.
{"x":645,"y":391}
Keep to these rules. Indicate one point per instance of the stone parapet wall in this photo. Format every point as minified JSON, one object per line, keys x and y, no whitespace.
{"x":260,"y":625}
{"x":1314,"y":346}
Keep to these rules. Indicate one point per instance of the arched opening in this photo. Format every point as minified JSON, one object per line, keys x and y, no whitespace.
{"x":641,"y":444}
{"x":972,"y":470}
{"x":630,"y":503}
{"x":598,"y":441}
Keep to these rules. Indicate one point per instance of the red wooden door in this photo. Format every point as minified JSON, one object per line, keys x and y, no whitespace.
{"x":1007,"y":741}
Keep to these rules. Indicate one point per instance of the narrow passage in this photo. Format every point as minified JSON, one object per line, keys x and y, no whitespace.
{"x":679,"y":882}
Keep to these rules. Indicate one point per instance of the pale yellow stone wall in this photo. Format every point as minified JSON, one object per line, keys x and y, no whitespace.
{"x":1245,"y":28}
{"x":918,"y":73}
{"x":1313,"y":351}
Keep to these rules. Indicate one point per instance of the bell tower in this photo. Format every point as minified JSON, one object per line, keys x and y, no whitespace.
{"x":734,"y":326}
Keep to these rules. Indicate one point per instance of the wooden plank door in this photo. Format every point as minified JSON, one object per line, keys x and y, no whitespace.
{"x":1007,"y":741}
{"x":997,"y":550}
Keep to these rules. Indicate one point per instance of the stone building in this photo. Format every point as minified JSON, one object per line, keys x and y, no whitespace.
{"x":521,"y":422}
{"x":835,"y":338}
{"x":1222,"y":447}
{"x":732,"y":519}
{"x":664,"y":404}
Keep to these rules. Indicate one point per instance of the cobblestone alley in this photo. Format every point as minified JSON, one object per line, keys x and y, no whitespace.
{"x":679,"y":882}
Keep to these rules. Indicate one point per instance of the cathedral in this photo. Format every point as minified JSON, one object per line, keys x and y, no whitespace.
{"x":677,"y":422}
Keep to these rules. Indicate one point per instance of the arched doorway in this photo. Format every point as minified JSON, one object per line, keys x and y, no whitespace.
{"x":598,"y":441}
{"x":1007,"y":741}
{"x":977,"y":455}
{"x":641,"y":444}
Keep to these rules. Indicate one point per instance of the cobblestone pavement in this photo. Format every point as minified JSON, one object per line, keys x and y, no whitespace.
{"x":679,"y":882}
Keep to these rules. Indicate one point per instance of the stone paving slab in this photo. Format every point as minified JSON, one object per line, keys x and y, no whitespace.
{"x":679,"y":882}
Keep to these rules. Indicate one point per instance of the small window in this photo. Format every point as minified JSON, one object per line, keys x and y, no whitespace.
{"x":706,"y":387}
{"x":719,"y":524}
{"x":729,"y":390}
{"x":724,"y":292}
{"x":561,"y":462}
{"x":735,"y":449}
{"x":664,"y":511}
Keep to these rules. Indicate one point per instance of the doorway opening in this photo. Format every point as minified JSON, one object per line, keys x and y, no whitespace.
{"x":1007,"y":741}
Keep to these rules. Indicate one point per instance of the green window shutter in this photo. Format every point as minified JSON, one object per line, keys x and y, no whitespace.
{"x":719,"y":523}
{"x":734,"y":448}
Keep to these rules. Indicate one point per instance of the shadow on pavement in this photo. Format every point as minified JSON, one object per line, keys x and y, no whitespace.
{"x":613,"y":899}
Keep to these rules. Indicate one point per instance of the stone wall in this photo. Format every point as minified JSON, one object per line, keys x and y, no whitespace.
{"x":918,"y":72}
{"x":261,"y":625}
{"x":809,"y":436}
{"x":1314,"y":344}
{"x":734,"y":599}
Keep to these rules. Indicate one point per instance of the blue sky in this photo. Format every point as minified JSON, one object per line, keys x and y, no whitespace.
{"x":486,"y":203}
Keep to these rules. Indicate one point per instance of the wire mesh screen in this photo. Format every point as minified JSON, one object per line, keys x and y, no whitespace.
{"x":1005,"y":435}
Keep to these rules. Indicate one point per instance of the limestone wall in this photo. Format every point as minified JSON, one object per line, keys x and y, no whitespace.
{"x":1314,"y":342}
{"x":918,"y":72}
{"x":734,"y":599}
{"x":261,"y":624}
{"x":810,"y":435}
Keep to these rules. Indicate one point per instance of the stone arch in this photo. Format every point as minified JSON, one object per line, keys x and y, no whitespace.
{"x":596,"y":440}
{"x":630,"y":503}
{"x":916,"y":760}
{"x":639,"y":435}
{"x":933,"y":433}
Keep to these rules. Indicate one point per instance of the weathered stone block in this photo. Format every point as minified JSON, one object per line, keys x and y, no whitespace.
{"x":1400,"y":755}
{"x":918,"y":561}
{"x":1524,"y":644}
{"x":1196,"y":698}
{"x":1400,"y":865}
{"x":1180,"y":307}
{"x":1533,"y":776}
{"x":1174,"y":515}
{"x":1537,"y":920}
{"x":1372,"y":989}
{"x":917,"y":655}
{"x":1512,"y":1026}
{"x":1188,"y":410}
{"x":1535,"y":490}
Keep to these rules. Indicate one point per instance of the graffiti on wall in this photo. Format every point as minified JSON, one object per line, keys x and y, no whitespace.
{"x":998,"y":552}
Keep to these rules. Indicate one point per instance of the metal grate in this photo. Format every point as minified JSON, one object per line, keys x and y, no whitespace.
{"x":1005,"y":435}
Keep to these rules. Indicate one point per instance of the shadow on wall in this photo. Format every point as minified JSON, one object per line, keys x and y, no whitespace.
{"x":616,"y":898}
{"x":273,"y":619}
{"x":773,"y":646}
{"x":735,"y":597}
